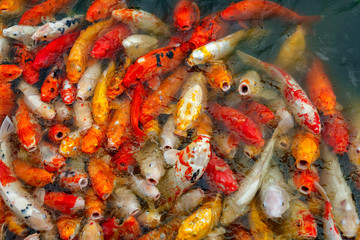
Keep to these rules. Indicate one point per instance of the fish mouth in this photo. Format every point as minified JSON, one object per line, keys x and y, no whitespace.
{"x":303,"y":165}
{"x":244,"y":89}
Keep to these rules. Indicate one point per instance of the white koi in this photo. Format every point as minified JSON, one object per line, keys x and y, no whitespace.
{"x":88,"y":81}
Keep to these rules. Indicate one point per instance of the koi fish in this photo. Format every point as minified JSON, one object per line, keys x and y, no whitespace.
{"x":291,"y":56}
{"x":21,"y":33}
{"x":340,"y":195}
{"x":94,"y":207}
{"x":156,"y":62}
{"x":168,"y":139}
{"x":92,"y":230}
{"x":168,"y":231}
{"x":15,"y":225}
{"x":52,"y":160}
{"x":32,"y":176}
{"x":191,"y":104}
{"x":259,"y":10}
{"x":68,"y":92}
{"x":93,"y":139}
{"x":51,"y":86}
{"x":7,"y":100}
{"x":151,"y":162}
{"x":115,"y":86}
{"x":141,"y":19}
{"x":68,"y":227}
{"x":202,"y":221}
{"x":125,"y":202}
{"x":304,"y":180}
{"x":304,"y":112}
{"x":12,"y":190}
{"x":62,"y":202}
{"x":81,"y":48}
{"x":101,"y":9}
{"x":32,"y":99}
{"x":12,"y":7}
{"x":83,"y":118}
{"x":209,"y":29}
{"x":146,"y":191}
{"x":139,"y":95}
{"x":102,"y":177}
{"x":257,"y":112}
{"x":9,"y":72}
{"x":138,"y":45}
{"x":109,"y":44}
{"x":236,"y":121}
{"x":63,"y":112}
{"x":336,"y":132}
{"x":110,"y":228}
{"x":150,"y":218}
{"x":250,"y":84}
{"x":305,"y":149}
{"x":259,"y":229}
{"x":71,"y":144}
{"x":218,"y":76}
{"x":123,"y":160}
{"x":354,"y":135}
{"x":187,"y":202}
{"x":158,"y":101}
{"x":87,"y":83}
{"x":53,"y":51}
{"x":130,"y":229}
{"x":226,"y":143}
{"x":186,"y":15}
{"x":4,"y":42}
{"x":57,"y":29}
{"x":48,"y":8}
{"x":100,"y":104}
{"x":220,"y":175}
{"x":24,"y":59}
{"x":73,"y":177}
{"x":58,"y":132}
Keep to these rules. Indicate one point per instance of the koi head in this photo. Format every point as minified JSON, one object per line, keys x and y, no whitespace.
{"x":96,"y":12}
{"x":305,"y":180}
{"x":326,"y":101}
{"x":28,"y":138}
{"x":347,"y":219}
{"x":305,"y":150}
{"x":68,"y":227}
{"x":233,"y":12}
{"x":249,"y":84}
{"x":58,"y":132}
{"x":42,"y":33}
{"x":10,"y":72}
{"x":275,"y":201}
{"x":92,"y":141}
{"x":336,"y":132}
{"x":69,"y":146}
{"x":150,"y":218}
{"x":303,"y":223}
{"x":354,"y":151}
{"x":186,"y":15}
{"x":110,"y":228}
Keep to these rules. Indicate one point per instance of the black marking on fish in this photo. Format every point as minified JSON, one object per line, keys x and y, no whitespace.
{"x":23,"y":211}
{"x":193,"y":177}
{"x":158,"y":60}
{"x":170,"y":54}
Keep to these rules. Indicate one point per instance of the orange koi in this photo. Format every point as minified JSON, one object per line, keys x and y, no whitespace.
{"x":68,"y":227}
{"x":48,"y":8}
{"x":186,"y":15}
{"x":79,"y":53}
{"x":156,"y":62}
{"x":28,"y":131}
{"x":73,"y":179}
{"x":51,"y":86}
{"x":123,"y":160}
{"x":24,"y":59}
{"x":68,"y":92}
{"x":63,"y":202}
{"x":9,"y":72}
{"x":93,"y":205}
{"x":304,"y":180}
{"x":305,"y":149}
{"x":12,"y":7}
{"x":70,"y":145}
{"x":32,"y":176}
{"x":260,"y":10}
{"x":116,"y":87}
{"x":320,"y":88}
{"x":58,"y":132}
{"x":139,"y":95}
{"x":102,"y":177}
{"x":7,"y":100}
{"x":130,"y":229}
{"x":218,"y":76}
{"x":101,"y":9}
{"x":3,"y":210}
{"x":15,"y":225}
{"x":159,"y":100}
{"x":93,"y":139}
{"x":118,"y":126}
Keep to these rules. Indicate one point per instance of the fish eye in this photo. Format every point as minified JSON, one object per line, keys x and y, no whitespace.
{"x":299,"y":223}
{"x":282,"y":203}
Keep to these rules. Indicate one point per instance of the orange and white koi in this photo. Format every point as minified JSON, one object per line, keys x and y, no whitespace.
{"x":101,"y":9}
{"x":21,"y":33}
{"x":94,"y":207}
{"x":139,"y":45}
{"x":71,"y":145}
{"x":12,"y":190}
{"x":259,"y":230}
{"x":83,"y":118}
{"x":186,"y":15}
{"x":93,"y":139}
{"x":151,"y":162}
{"x":191,"y":104}
{"x":340,"y":195}
{"x":118,"y":126}
{"x":9,"y":72}
{"x":68,"y":226}
{"x":80,"y":51}
{"x":202,"y":221}
{"x":51,"y":86}
{"x":143,"y":189}
{"x":141,"y":19}
{"x":88,"y":81}
{"x":92,"y":231}
{"x":125,"y":202}
{"x":100,"y":103}
{"x":52,"y":160}
{"x":68,"y":92}
{"x":32,"y":176}
{"x":52,"y":30}
{"x":74,"y":177}
{"x":169,"y":140}
{"x":32,"y":99}
{"x":158,"y":101}
{"x":58,"y":132}
{"x":303,"y":110}
{"x":62,"y":202}
{"x":305,"y":149}
{"x":27,"y":129}
{"x":218,"y":49}
{"x":102,"y":177}
{"x":48,"y":8}
{"x":218,"y":76}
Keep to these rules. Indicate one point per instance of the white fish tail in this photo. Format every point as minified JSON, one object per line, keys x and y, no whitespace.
{"x":170,"y":156}
{"x":249,"y":60}
{"x":7,"y":127}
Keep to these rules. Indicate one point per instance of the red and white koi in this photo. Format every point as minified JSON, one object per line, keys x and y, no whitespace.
{"x":303,"y":110}
{"x":83,"y":118}
{"x":141,"y":19}
{"x":139,"y":45}
{"x":32,"y":99}
{"x":12,"y":190}
{"x":88,"y":81}
{"x":52,"y":30}
{"x":68,"y":92}
{"x":74,"y":177}
{"x":51,"y":159}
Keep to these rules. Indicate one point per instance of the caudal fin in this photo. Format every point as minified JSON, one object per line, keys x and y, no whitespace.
{"x":7,"y":127}
{"x":249,"y":60}
{"x":309,"y":20}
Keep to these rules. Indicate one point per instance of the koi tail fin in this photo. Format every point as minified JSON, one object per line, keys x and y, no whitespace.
{"x":309,"y":20}
{"x":171,"y":156}
{"x":7,"y":128}
{"x":249,"y":60}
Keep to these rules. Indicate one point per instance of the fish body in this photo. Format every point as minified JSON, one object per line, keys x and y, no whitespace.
{"x":141,"y":19}
{"x":24,"y":58}
{"x":130,"y":229}
{"x":116,"y":87}
{"x":21,"y":33}
{"x":63,"y":112}
{"x":68,"y":92}
{"x":339,"y":193}
{"x":258,"y":112}
{"x":259,"y":10}
{"x":87,"y":83}
{"x":125,"y":202}
{"x":303,"y":110}
{"x":63,"y":202}
{"x":94,"y":207}
{"x":92,"y":231}
{"x":218,"y":76}
{"x":53,"y":30}
{"x":138,"y":45}
{"x":7,"y":100}
{"x":259,"y":229}
{"x":68,"y":227}
{"x":12,"y":7}
{"x":123,"y":160}
{"x":167,"y":231}
{"x":188,"y":201}
{"x":71,"y":145}
{"x":9,"y":72}
{"x":93,"y":139}
{"x":51,"y":86}
{"x":83,"y":118}
{"x":331,"y":232}
{"x":186,"y":15}
{"x":305,"y":149}
{"x":73,"y":179}
{"x":168,"y":139}
{"x":336,"y":132}
{"x":101,"y":9}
